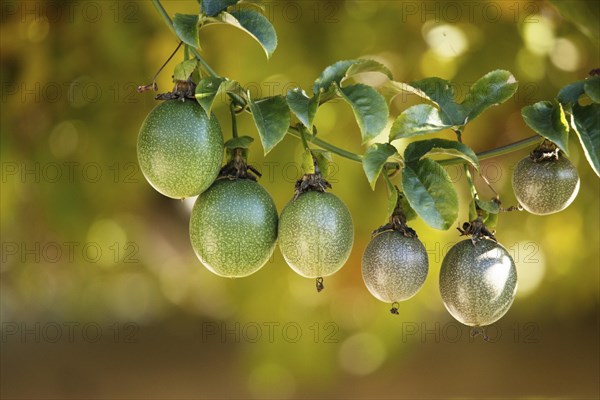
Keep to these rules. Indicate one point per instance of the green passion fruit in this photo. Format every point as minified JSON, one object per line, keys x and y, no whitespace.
{"x":233,"y":227}
{"x":478,"y":282}
{"x":394,"y":266}
{"x":180,"y":149}
{"x":316,"y":234}
{"x":547,"y":186}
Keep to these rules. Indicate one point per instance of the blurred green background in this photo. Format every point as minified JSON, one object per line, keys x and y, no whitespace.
{"x":103,"y":297}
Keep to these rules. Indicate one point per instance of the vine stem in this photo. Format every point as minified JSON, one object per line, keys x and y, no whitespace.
{"x":293,"y":131}
{"x":234,"y":131}
{"x":498,"y":151}
{"x":509,"y":148}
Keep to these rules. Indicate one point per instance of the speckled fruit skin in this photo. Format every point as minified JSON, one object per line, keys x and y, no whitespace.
{"x":316,"y":234}
{"x":179,"y":149}
{"x":545,"y":187}
{"x":394,"y":267}
{"x":478,"y":282}
{"x":233,"y":227}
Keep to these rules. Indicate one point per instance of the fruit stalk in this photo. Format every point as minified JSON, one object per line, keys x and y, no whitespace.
{"x":234,"y":132}
{"x":472,"y":189}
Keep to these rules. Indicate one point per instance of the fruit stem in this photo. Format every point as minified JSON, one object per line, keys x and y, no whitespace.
{"x":234,"y":132}
{"x":319,"y":284}
{"x":303,"y":137}
{"x":472,"y":188}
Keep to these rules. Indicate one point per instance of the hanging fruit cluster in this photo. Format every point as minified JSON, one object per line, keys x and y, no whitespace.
{"x":234,"y":224}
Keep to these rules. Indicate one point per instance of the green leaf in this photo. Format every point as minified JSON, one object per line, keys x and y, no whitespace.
{"x":418,"y":120}
{"x":441,"y":92}
{"x":367,"y":65}
{"x":209,"y":88}
{"x":393,"y":88}
{"x":332,"y":74}
{"x":184,"y":69}
{"x":370,"y":109}
{"x":341,"y":70}
{"x":569,"y":95}
{"x":489,"y":206}
{"x":255,"y":24}
{"x":592,"y":88}
{"x":416,"y":150}
{"x":374,"y":159}
{"x":429,"y":192}
{"x":272,"y":118}
{"x":213,"y":7}
{"x":302,"y":106}
{"x":548,"y":119}
{"x":492,"y":89}
{"x":186,"y":27}
{"x":240,"y":142}
{"x":585,"y":120}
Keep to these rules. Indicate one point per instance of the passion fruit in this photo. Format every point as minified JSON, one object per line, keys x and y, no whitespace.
{"x":394,"y":266}
{"x":316,"y":234}
{"x":180,"y":149}
{"x":233,"y":227}
{"x":478,"y":281}
{"x":546,"y":186}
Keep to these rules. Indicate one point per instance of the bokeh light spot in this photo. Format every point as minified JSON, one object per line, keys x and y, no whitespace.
{"x":539,"y":37}
{"x":531,"y":64}
{"x":362,"y":354}
{"x":446,"y":40}
{"x":565,"y":55}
